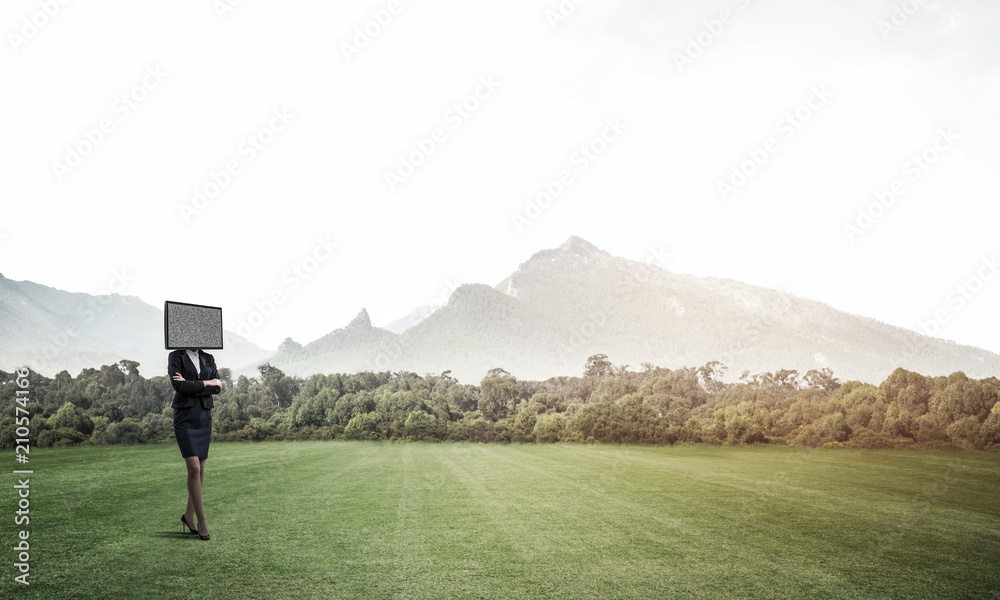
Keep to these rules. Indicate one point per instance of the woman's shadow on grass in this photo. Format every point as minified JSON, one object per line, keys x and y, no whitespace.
{"x":175,"y":534}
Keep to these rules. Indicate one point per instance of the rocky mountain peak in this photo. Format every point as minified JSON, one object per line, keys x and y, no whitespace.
{"x":288,"y":346}
{"x":470,"y":292}
{"x":361,"y":322}
{"x":580,"y":246}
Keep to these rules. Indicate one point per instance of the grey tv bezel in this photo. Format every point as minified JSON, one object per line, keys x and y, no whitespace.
{"x":166,"y":340}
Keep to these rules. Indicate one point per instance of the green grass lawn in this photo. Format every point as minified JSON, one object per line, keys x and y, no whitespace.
{"x":379,"y":520}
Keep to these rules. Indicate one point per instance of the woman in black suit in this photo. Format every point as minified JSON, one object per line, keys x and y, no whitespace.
{"x":195,"y":379}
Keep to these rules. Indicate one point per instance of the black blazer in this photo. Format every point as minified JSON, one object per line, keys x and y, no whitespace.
{"x":191,"y":390}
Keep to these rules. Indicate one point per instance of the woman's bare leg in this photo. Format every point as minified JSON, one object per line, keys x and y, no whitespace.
{"x":195,"y":476}
{"x":203,"y":530}
{"x":189,"y":513}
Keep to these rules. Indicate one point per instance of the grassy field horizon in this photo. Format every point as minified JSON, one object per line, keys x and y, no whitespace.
{"x":340,"y":519}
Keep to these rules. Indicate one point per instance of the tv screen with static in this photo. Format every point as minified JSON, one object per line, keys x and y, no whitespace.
{"x":192,"y":326}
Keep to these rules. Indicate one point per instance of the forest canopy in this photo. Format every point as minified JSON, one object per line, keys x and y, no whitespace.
{"x":608,"y":404}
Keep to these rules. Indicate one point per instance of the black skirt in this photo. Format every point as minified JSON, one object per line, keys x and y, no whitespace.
{"x":193,"y":430}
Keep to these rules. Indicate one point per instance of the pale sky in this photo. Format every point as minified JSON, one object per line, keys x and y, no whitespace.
{"x":116,"y":113}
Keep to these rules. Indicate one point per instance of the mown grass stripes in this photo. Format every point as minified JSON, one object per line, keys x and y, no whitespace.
{"x":409,"y":521}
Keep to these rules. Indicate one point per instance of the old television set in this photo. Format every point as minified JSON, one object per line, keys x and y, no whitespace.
{"x":187,"y":325}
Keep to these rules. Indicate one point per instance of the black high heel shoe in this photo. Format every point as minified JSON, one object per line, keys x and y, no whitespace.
{"x":205,"y":537}
{"x":185,"y":522}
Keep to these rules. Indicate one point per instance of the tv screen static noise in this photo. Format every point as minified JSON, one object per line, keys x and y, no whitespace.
{"x":191,"y":326}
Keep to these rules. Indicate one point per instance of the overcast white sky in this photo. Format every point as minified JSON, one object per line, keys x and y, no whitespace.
{"x":836,"y":102}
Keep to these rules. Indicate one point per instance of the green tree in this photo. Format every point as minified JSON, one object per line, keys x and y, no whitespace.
{"x":990,"y":429}
{"x":421,"y":426}
{"x":129,"y":368}
{"x":711,"y":375}
{"x":834,"y":427}
{"x":68,"y":417}
{"x":898,"y":422}
{"x":550,"y":402}
{"x":499,"y":392}
{"x":255,"y":430}
{"x":524,"y":424}
{"x":610,"y":389}
{"x":549,"y":427}
{"x":822,"y":379}
{"x":363,"y":427}
{"x":598,"y":366}
{"x":911,"y":391}
{"x":279,"y":387}
{"x":858,"y":401}
{"x":967,"y":434}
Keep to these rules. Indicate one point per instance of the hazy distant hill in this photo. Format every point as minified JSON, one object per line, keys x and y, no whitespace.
{"x":356,"y":347}
{"x":51,"y":330}
{"x":402,"y":324}
{"x":566,"y":304}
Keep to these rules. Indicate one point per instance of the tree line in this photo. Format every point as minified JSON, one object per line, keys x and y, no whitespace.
{"x":608,"y":404}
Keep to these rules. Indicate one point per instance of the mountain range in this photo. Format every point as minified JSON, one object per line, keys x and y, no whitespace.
{"x":565,"y":304}
{"x":51,"y":330}
{"x":558,"y":308}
